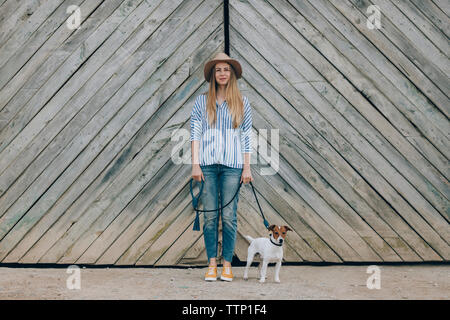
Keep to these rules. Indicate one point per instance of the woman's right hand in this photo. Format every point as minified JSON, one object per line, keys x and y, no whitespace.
{"x":197,"y":173}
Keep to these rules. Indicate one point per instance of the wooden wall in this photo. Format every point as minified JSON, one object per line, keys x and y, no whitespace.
{"x":363,"y":118}
{"x":87,"y":116}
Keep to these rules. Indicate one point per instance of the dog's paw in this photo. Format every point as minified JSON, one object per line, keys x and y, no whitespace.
{"x":262,"y":280}
{"x":277,"y":280}
{"x":245,"y":278}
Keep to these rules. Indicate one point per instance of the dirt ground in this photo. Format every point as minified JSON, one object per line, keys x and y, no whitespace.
{"x":297,"y":282}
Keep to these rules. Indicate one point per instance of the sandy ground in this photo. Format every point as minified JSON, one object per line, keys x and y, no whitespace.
{"x":297,"y":282}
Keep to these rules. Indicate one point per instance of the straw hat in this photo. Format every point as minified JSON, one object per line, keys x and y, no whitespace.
{"x":222,"y":57}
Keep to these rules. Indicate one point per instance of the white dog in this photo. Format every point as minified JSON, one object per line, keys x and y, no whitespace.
{"x":270,"y":250}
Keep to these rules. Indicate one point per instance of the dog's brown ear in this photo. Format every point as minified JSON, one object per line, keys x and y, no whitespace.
{"x":287,"y":228}
{"x":271,"y":227}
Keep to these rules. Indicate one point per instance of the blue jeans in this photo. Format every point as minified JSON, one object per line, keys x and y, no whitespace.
{"x":224,"y":181}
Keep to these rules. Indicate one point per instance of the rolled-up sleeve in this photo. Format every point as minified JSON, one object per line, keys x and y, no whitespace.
{"x":246,"y":128}
{"x":196,"y":121}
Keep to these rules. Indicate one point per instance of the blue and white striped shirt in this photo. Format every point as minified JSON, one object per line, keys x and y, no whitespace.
{"x":222,"y":144}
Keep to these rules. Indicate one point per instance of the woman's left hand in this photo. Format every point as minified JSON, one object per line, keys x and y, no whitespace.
{"x":246,"y":176}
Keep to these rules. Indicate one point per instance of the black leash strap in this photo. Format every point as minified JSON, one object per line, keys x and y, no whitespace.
{"x":195,"y":204}
{"x":266,"y":223}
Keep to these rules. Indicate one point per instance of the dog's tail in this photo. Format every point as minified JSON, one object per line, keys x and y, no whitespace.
{"x":249,"y":238}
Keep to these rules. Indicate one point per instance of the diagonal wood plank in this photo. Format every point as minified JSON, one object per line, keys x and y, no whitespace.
{"x":439,"y":225}
{"x":350,"y":128}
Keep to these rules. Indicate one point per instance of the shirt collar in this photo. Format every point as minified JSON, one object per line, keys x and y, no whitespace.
{"x":224,"y":103}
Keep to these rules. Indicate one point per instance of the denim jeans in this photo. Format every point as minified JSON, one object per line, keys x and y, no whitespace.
{"x":220,"y":181}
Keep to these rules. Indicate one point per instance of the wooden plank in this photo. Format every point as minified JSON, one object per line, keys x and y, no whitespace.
{"x":142,"y":221}
{"x":332,"y":219}
{"x":143,"y":229}
{"x":410,"y":46}
{"x":443,"y":5}
{"x":162,"y":136}
{"x":152,"y":212}
{"x":414,"y":35}
{"x":10,"y":14}
{"x":36,"y":12}
{"x":96,"y":122}
{"x":77,"y":122}
{"x":368,"y":233}
{"x":32,"y":76}
{"x":147,"y":132}
{"x":422,"y":206}
{"x":180,"y":54}
{"x":43,"y":43}
{"x":290,"y":95}
{"x":251,"y":223}
{"x":410,"y":153}
{"x":358,"y":101}
{"x":315,"y":180}
{"x":241,"y":248}
{"x":51,"y":98}
{"x":431,"y":214}
{"x":386,"y":78}
{"x":303,"y":156}
{"x":422,"y":24}
{"x":164,"y":183}
{"x":434,"y":14}
{"x":441,"y":203}
{"x":427,"y":88}
{"x":126,"y":227}
{"x":195,"y":252}
{"x":49,"y":27}
{"x":151,"y":232}
{"x":176,"y":251}
{"x":175,"y":60}
{"x":423,"y":165}
{"x":87,"y":116}
{"x":57,"y":187}
{"x":22,"y":164}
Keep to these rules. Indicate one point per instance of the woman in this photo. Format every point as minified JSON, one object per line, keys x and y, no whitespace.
{"x":221,"y":124}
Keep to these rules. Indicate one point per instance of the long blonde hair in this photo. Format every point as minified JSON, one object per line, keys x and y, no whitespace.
{"x":232,"y":95}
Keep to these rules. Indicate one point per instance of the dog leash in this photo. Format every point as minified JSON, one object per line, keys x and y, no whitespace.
{"x":195,"y":203}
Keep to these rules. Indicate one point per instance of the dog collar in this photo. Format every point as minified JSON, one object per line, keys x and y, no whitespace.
{"x":278,"y":245}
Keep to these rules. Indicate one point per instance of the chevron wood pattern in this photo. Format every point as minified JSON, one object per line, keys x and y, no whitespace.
{"x":363,"y":124}
{"x":88,"y":115}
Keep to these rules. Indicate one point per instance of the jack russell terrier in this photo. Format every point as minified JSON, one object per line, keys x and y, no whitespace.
{"x":270,"y":250}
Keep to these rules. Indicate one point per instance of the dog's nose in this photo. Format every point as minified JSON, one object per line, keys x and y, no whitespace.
{"x":281,"y":240}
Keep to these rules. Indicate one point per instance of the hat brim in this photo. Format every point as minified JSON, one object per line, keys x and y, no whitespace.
{"x":210,"y":64}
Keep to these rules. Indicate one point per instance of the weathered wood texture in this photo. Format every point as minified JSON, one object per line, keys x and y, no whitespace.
{"x":87,"y":118}
{"x":363,"y":123}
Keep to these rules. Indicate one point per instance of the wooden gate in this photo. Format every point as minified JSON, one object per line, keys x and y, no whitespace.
{"x":363,"y":124}
{"x":90,"y":112}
